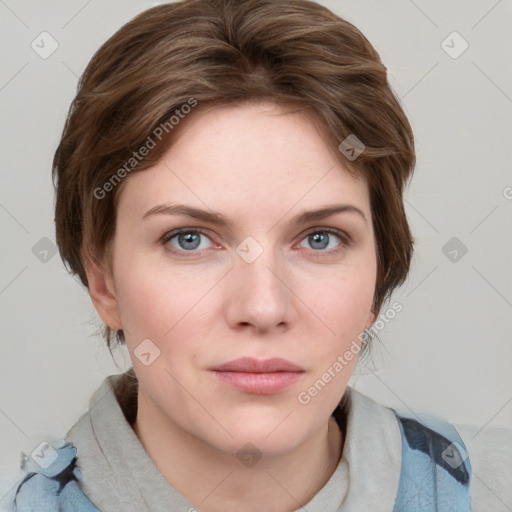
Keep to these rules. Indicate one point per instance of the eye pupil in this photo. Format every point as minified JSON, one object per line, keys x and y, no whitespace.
{"x":319,"y":238}
{"x":189,"y":240}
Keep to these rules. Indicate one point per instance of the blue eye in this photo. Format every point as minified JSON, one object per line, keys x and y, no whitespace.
{"x":188,"y":240}
{"x":320,"y":239}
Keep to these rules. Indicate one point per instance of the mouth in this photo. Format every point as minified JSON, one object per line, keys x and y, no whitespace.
{"x":260,"y":377}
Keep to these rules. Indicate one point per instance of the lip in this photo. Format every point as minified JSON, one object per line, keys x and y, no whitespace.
{"x":261,"y":377}
{"x":253,"y":365}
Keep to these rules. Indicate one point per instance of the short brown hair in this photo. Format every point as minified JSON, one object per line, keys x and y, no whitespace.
{"x":219,"y":52}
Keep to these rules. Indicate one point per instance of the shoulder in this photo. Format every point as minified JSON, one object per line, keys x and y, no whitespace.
{"x":434,"y":465}
{"x":51,"y":481}
{"x":427,"y":434}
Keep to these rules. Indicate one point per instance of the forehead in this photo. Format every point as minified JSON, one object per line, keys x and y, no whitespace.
{"x":288,"y":132}
{"x":245,"y":155}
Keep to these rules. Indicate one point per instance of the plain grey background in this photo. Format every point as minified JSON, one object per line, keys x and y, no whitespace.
{"x":447,"y":353}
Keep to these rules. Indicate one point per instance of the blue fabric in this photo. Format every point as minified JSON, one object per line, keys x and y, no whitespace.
{"x":51,"y":484}
{"x":436,"y":471}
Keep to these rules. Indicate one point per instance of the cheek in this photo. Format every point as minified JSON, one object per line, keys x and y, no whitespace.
{"x":143,"y":296}
{"x":161,"y":303}
{"x":346,"y":300}
{"x":150,"y":307}
{"x":343,"y":309}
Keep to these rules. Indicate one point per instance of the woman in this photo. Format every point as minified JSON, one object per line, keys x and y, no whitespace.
{"x":229,"y":190}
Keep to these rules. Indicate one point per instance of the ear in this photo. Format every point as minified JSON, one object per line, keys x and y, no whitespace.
{"x":102,"y":292}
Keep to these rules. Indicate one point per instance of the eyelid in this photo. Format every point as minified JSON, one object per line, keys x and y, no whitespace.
{"x":171,"y":234}
{"x":345,"y":241}
{"x":345,"y":237}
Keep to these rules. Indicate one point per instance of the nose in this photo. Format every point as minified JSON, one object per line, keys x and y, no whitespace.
{"x":260,"y":296}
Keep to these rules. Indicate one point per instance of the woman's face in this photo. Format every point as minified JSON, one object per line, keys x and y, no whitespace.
{"x":267,"y":282}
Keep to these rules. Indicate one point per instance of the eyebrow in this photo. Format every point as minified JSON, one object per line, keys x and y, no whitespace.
{"x":220,"y":220}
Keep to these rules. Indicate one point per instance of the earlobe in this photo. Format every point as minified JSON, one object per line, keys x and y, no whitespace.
{"x":101,"y":290}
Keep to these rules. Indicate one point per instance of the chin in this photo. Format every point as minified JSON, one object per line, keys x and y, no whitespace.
{"x":263,"y":438}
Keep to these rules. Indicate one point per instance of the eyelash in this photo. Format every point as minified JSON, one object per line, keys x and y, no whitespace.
{"x":345,"y":240}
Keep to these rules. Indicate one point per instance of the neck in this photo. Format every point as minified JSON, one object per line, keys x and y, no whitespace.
{"x":216,"y":481}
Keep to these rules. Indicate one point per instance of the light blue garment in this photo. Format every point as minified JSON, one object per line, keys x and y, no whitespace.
{"x":436,"y":471}
{"x":52,"y":487}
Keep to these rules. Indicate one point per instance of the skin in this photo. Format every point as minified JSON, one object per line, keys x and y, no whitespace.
{"x":259,"y":167}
